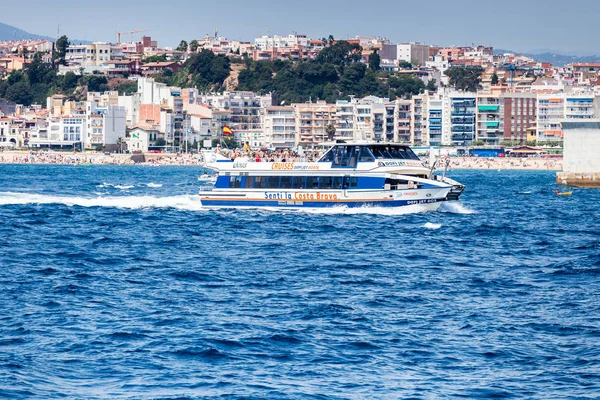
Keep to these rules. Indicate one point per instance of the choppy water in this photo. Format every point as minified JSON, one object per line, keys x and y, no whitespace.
{"x":115,"y":283}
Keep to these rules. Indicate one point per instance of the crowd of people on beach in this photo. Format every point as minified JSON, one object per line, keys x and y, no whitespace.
{"x":505,"y":163}
{"x":285,"y":155}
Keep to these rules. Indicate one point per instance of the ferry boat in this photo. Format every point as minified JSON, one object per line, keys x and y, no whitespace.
{"x":347,"y":174}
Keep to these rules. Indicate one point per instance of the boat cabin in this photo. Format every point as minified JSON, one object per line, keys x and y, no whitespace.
{"x":349,"y":155}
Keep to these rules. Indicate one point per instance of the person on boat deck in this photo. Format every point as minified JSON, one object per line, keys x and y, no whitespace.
{"x":247,"y":147}
{"x":218,"y":150}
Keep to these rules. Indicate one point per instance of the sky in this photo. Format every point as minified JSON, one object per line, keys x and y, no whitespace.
{"x":519,"y":25}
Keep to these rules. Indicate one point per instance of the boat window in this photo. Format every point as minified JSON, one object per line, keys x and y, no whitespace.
{"x":272,"y":182}
{"x":337,"y":182}
{"x":260,"y":182}
{"x":325,"y":182}
{"x":345,"y":156}
{"x":328,"y":156}
{"x":395,"y":183}
{"x":403,"y":153}
{"x":298,"y":182}
{"x":235,"y":181}
{"x":352,"y":181}
{"x":378,"y":153}
{"x":248,"y":182}
{"x":285,"y":182}
{"x":312,"y":182}
{"x":365,"y":155}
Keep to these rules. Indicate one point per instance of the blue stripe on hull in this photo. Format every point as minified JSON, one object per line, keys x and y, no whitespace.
{"x":315,"y":204}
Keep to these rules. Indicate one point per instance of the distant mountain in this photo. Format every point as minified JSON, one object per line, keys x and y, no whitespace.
{"x":554,"y":58}
{"x":8,"y":33}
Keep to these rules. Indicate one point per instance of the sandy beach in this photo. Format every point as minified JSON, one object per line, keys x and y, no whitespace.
{"x":525,"y":163}
{"x":94,"y":158}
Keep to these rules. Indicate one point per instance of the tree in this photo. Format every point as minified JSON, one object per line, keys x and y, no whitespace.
{"x":374,"y":61}
{"x":495,"y":79}
{"x":19,"y":93}
{"x":96,"y":83}
{"x":38,"y":71}
{"x":194,"y":46}
{"x":60,"y":50}
{"x":160,"y":142}
{"x":183,"y":46}
{"x":120,"y":144}
{"x":465,"y":78}
{"x":69,"y":82}
{"x":330,"y":130}
{"x":431,"y":85}
{"x":405,"y":65}
{"x":155,"y":58}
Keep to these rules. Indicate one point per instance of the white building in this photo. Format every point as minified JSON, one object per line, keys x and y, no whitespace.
{"x":67,"y":132}
{"x":553,"y":108}
{"x":281,"y":42}
{"x":279,"y":124}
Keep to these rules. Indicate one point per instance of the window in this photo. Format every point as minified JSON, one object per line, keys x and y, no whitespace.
{"x":325,"y":182}
{"x":249,"y":182}
{"x":260,"y":182}
{"x":299,"y":182}
{"x":312,"y":182}
{"x":285,"y":182}
{"x":337,"y":182}
{"x":235,"y":181}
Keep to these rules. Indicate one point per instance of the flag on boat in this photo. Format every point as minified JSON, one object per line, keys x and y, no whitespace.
{"x":227,"y":131}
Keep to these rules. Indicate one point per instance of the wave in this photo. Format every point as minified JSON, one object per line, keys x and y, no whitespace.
{"x":455,"y":208}
{"x":182,"y":202}
{"x":122,"y":187}
{"x":154,"y":185}
{"x":430,"y":225}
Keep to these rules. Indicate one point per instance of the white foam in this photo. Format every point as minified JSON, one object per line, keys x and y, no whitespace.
{"x":453,"y":207}
{"x":154,"y":185}
{"x":433,"y":226}
{"x":124,"y":187}
{"x":183,"y":202}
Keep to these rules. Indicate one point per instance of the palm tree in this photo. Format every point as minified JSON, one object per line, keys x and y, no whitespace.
{"x":330,"y":130}
{"x":120,"y":144}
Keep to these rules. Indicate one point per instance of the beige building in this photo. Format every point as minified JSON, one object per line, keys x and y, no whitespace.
{"x":312,"y":120}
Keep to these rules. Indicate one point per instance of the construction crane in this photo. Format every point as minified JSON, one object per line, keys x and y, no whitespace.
{"x":129,"y":33}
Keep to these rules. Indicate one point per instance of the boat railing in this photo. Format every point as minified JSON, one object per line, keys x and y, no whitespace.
{"x":206,"y":188}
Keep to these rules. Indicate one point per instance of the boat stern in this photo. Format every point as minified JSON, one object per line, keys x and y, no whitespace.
{"x":455,"y":191}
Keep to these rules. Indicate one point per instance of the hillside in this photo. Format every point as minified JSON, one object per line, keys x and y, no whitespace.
{"x":554,"y":58}
{"x":9,"y":32}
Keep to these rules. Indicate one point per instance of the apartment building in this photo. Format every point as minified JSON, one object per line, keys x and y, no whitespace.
{"x":105,"y":125}
{"x":419,"y":120}
{"x":61,"y":132}
{"x":433,"y":130}
{"x":245,"y":108}
{"x":88,"y":55}
{"x":461,"y":111}
{"x":345,"y":120}
{"x":281,"y":42}
{"x":279,"y":124}
{"x":312,"y":120}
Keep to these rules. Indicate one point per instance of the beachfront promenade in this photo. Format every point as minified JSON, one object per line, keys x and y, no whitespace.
{"x":25,"y":157}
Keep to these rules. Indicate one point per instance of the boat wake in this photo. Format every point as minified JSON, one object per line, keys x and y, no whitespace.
{"x":182,"y":202}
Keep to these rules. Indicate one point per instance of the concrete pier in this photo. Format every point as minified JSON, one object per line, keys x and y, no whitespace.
{"x":581,"y":156}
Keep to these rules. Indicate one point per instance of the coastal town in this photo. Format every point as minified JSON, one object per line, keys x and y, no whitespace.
{"x":120,"y":97}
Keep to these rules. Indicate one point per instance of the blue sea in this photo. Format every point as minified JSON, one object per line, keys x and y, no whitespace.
{"x":115,"y":283}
